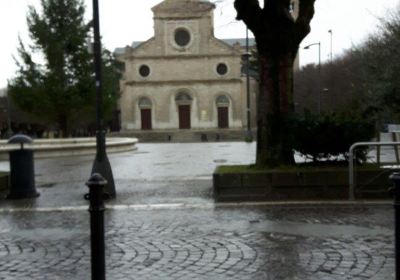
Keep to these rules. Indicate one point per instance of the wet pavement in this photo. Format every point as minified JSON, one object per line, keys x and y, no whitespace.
{"x":164,"y":225}
{"x":156,"y":173}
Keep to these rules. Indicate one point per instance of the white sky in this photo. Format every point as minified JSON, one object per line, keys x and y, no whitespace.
{"x":124,"y":21}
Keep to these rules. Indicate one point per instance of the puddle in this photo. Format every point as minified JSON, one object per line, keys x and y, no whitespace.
{"x":46,"y":185}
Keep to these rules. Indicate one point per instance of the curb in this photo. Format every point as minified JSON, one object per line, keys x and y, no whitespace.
{"x":180,"y":206}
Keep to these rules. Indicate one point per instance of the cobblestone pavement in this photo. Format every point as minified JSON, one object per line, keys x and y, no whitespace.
{"x":325,"y":242}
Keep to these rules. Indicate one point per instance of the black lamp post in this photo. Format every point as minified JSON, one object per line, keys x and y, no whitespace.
{"x":395,"y":177}
{"x":101,"y":163}
{"x":9,"y":131}
{"x":319,"y":72}
{"x":249,"y":136}
{"x":331,"y":34}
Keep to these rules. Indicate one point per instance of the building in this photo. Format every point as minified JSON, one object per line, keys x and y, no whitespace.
{"x":183,"y":77}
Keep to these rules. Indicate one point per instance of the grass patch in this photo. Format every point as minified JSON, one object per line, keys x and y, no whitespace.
{"x":303,"y":167}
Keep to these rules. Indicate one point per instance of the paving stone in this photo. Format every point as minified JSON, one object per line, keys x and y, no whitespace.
{"x":353,"y":243}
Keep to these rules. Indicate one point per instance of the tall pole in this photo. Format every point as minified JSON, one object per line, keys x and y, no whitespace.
{"x":319,"y":78}
{"x":9,"y":132}
{"x":331,"y":33}
{"x":319,"y":73}
{"x":101,"y":163}
{"x":249,"y":135}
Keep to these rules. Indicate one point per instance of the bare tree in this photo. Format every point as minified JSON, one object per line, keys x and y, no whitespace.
{"x":278,"y":34}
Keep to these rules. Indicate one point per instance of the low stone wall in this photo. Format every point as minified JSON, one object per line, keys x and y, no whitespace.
{"x":44,"y":148}
{"x":315,"y":184}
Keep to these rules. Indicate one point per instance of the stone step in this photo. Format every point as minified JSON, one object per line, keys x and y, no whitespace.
{"x":183,"y":136}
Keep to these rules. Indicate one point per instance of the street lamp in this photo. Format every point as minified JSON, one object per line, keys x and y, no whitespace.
{"x":331,"y":33}
{"x":319,"y":72}
{"x":9,"y":131}
{"x":249,"y":136}
{"x":101,"y":163}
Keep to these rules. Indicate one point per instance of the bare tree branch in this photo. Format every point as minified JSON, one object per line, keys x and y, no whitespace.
{"x":302,"y":25}
{"x":280,"y":8}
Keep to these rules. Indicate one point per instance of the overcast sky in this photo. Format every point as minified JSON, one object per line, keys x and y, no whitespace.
{"x":124,"y":21}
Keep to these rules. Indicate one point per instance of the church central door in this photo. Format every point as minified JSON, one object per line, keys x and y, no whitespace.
{"x":184,"y":116}
{"x":146,"y":119}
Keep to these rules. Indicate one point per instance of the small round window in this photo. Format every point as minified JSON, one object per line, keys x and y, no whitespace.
{"x":182,"y":37}
{"x":144,"y":70}
{"x":222,"y":69}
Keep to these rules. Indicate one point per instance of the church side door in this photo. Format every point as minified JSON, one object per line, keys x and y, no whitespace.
{"x":146,"y":119}
{"x":184,"y":116}
{"x":223,"y":120}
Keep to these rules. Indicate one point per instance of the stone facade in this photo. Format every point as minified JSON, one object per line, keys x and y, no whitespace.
{"x":184,"y":77}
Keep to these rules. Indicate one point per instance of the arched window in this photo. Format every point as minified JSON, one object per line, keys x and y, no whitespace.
{"x":222,"y":101}
{"x":183,"y":98}
{"x":144,"y":102}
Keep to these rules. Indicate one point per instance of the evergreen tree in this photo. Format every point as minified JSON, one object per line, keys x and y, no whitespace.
{"x":60,"y":91}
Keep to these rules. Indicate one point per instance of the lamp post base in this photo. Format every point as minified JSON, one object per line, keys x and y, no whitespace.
{"x":248,"y":136}
{"x":102,"y":166}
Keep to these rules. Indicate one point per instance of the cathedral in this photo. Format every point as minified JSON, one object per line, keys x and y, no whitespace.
{"x":183,"y":77}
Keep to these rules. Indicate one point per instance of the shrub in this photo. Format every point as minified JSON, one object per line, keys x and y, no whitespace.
{"x":328,"y":137}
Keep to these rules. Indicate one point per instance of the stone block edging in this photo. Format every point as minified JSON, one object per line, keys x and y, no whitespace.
{"x":318,"y":184}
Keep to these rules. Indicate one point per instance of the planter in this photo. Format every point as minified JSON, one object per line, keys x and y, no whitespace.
{"x":299,"y":184}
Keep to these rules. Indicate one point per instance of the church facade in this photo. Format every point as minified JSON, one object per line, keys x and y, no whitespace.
{"x":183,"y":77}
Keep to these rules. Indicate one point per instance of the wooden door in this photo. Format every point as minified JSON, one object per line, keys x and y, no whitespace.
{"x":223,"y":120}
{"x":184,"y":116}
{"x":146,"y":119}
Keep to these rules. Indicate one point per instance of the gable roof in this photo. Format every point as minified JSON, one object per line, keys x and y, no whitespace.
{"x":231,"y":42}
{"x":185,"y":8}
{"x":240,"y":41}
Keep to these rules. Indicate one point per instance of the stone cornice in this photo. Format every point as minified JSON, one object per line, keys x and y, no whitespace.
{"x":180,"y":82}
{"x":189,"y":56}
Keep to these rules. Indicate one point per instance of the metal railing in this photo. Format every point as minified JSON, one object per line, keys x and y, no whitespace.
{"x":351,"y":161}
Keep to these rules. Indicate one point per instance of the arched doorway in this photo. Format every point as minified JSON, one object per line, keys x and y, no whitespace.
{"x":184,"y":101}
{"x":145,"y":113}
{"x":223,"y":111}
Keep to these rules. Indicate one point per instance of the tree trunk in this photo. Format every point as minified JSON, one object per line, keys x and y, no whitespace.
{"x":274,"y":111}
{"x":63,"y":125}
{"x":278,"y":32}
